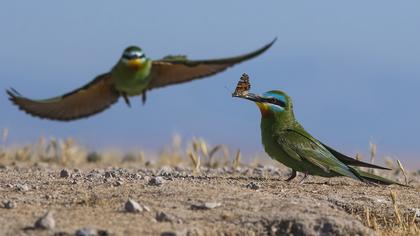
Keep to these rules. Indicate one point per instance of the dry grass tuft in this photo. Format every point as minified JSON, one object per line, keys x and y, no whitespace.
{"x":403,"y":171}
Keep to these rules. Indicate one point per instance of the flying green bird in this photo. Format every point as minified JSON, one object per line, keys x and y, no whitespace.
{"x":286,"y":141}
{"x":134,"y":74}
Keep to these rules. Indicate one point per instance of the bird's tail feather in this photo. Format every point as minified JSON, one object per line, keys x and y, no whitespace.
{"x":376,"y":178}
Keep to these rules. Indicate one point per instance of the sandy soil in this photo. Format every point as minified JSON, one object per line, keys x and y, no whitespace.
{"x":241,"y":201}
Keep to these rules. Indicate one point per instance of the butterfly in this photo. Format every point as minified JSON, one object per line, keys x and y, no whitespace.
{"x":243,"y":86}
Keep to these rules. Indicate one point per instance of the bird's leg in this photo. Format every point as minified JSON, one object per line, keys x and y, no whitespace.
{"x":292,"y":176}
{"x":304,"y":177}
{"x":143,"y":97}
{"x":127,"y":101}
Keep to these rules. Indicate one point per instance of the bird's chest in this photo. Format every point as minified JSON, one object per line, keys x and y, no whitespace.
{"x":270,"y":140}
{"x":131,"y":82}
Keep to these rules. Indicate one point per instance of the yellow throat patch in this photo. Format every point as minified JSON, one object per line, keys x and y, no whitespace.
{"x":264,"y":108}
{"x":136,"y":63}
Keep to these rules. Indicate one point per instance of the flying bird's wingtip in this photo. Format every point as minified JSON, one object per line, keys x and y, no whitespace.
{"x":274,"y":40}
{"x":267,"y":46}
{"x":12,"y":94}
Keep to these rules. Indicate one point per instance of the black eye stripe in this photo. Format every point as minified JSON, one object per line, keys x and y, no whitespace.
{"x":133,"y":55}
{"x":275,"y":102}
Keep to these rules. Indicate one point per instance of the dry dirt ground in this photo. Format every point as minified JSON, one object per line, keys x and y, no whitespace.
{"x":177,"y":201}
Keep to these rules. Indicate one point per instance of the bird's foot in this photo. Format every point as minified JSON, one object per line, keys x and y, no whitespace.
{"x":292,"y":176}
{"x":127,"y":101}
{"x":143,"y":97}
{"x":304,"y":177}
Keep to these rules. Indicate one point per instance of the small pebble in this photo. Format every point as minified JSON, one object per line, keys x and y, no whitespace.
{"x":9,"y":204}
{"x":165,"y":171}
{"x":163,"y":217}
{"x":211,"y":205}
{"x":64,"y":173}
{"x":86,"y":232}
{"x":46,"y":221}
{"x":205,"y":206}
{"x":22,"y":187}
{"x":416,"y":211}
{"x":119,"y":183}
{"x":132,"y":206}
{"x":91,"y":232}
{"x":156,"y":181}
{"x":109,"y":174}
{"x":253,"y":185}
{"x":168,"y":233}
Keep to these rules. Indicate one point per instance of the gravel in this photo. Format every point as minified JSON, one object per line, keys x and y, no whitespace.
{"x":46,"y":221}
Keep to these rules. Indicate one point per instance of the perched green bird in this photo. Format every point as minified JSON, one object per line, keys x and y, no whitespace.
{"x":134,"y":74}
{"x":286,"y":141}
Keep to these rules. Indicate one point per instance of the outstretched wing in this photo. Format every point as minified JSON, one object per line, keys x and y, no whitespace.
{"x":301,"y":145}
{"x":88,"y":100}
{"x":175,"y":70}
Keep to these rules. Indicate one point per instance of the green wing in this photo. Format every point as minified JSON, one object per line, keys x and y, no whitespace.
{"x":88,"y":100}
{"x":351,"y":161}
{"x":178,"y":69}
{"x":299,"y":144}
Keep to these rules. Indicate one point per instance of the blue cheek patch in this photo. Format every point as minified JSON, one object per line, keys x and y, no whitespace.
{"x":275,"y":108}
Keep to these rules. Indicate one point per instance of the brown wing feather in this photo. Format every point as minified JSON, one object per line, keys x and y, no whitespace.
{"x":88,"y":100}
{"x":170,"y":71}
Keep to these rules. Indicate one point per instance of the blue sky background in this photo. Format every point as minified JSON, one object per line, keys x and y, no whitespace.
{"x":352,"y":68}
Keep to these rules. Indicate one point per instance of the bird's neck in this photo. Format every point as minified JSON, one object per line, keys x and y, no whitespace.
{"x":279,"y":120}
{"x":130,"y":72}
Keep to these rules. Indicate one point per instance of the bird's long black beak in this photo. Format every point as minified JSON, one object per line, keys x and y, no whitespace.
{"x":251,"y":96}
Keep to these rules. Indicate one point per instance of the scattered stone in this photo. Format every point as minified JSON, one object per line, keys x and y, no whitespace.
{"x":168,"y":233}
{"x":46,"y":221}
{"x":416,"y":211}
{"x":91,"y":232}
{"x":22,"y":187}
{"x":109,"y":174}
{"x":132,"y":206}
{"x":8,"y":204}
{"x":62,"y":234}
{"x":135,"y":176}
{"x":163,"y":217}
{"x":156,"y":181}
{"x":119,"y":183}
{"x":253,"y":185}
{"x":165,"y":171}
{"x":86,"y":232}
{"x":205,"y":206}
{"x":147,"y":178}
{"x":64,"y":173}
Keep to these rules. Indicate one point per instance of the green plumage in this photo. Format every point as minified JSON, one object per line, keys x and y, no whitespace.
{"x":286,"y":141}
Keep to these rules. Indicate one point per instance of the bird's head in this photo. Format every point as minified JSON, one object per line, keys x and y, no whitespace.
{"x":271,"y":102}
{"x":133,"y":57}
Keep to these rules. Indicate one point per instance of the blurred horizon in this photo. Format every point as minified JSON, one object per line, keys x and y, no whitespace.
{"x":352,"y":69}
